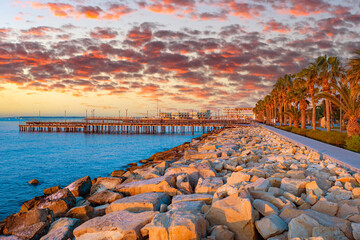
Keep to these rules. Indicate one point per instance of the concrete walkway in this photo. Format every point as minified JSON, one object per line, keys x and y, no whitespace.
{"x":341,"y":156}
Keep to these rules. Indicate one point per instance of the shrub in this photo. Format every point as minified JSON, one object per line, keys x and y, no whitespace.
{"x":353,"y":143}
{"x":299,"y":131}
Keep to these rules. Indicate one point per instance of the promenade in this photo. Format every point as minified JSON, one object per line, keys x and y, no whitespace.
{"x":339,"y":155}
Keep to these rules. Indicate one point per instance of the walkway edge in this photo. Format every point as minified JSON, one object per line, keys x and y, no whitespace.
{"x":325,"y":156}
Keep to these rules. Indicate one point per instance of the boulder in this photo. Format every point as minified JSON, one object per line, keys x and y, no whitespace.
{"x":147,"y":173}
{"x":164,"y":184}
{"x":83,"y":213}
{"x":206,"y":147}
{"x":183,"y":184}
{"x":222,"y":232}
{"x":176,"y":225}
{"x":117,"y":173}
{"x":328,"y":233}
{"x":203,"y":155}
{"x":204,"y":168}
{"x":61,"y":229}
{"x":302,"y":227}
{"x":193,"y":206}
{"x":140,"y":202}
{"x":115,"y":225}
{"x":207,"y":198}
{"x":294,"y":186}
{"x":356,"y":230}
{"x":208,"y":185}
{"x":51,"y":190}
{"x":236,"y":213}
{"x":103,"y":183}
{"x":324,"y":219}
{"x":59,"y":202}
{"x":28,"y":225}
{"x":346,"y":209}
{"x":104,"y":197}
{"x":238,"y":177}
{"x":260,"y":184}
{"x":33,"y":182}
{"x":324,"y":206}
{"x":270,"y":226}
{"x":337,"y":194}
{"x":80,"y":187}
{"x":265,"y":208}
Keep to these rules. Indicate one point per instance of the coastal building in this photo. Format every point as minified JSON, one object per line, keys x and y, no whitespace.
{"x":239,"y":113}
{"x":203,"y":114}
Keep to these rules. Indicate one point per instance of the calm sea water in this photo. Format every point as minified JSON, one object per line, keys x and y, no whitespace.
{"x":61,"y":158}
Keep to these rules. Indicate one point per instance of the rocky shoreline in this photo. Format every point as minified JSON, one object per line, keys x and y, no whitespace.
{"x":240,"y":183}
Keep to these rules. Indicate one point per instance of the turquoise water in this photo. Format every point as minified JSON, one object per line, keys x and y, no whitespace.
{"x":60,"y":158}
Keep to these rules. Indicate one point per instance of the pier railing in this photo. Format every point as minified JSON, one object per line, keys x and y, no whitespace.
{"x":132,"y":125}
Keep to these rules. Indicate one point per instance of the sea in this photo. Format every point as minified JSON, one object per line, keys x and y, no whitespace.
{"x":61,"y":158}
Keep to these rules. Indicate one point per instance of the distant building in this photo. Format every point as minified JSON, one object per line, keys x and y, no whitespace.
{"x":204,"y":114}
{"x":238,"y":113}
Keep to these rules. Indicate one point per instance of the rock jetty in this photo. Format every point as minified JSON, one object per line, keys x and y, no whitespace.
{"x":241,"y":183}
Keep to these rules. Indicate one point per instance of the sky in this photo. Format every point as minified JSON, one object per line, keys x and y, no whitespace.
{"x":179,"y":55}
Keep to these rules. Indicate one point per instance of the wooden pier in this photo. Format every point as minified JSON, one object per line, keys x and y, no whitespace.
{"x":132,"y":126}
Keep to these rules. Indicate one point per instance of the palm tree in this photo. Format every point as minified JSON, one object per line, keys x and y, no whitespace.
{"x":327,"y":66}
{"x":300,"y":94}
{"x":310,"y":74}
{"x":259,"y":111}
{"x":294,"y":114}
{"x":350,"y":104}
{"x":354,"y":70}
{"x":287,"y":85}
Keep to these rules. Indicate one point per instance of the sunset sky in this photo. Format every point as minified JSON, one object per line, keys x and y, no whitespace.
{"x":189,"y":54}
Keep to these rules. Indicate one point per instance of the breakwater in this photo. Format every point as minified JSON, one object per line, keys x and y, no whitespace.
{"x":239,"y":183}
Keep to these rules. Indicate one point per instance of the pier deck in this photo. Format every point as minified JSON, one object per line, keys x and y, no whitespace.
{"x":132,"y":126}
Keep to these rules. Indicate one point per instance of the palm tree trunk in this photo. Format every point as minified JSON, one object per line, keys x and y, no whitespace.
{"x":313,"y":121}
{"x":281,"y":117}
{"x":296,"y":123}
{"x":352,"y":127}
{"x":328,"y":125}
{"x":303,"y":118}
{"x":275,"y":120}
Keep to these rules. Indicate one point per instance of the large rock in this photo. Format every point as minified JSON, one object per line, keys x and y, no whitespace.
{"x":59,"y":202}
{"x":207,"y":198}
{"x":80,"y":187}
{"x":324,"y":219}
{"x":103,"y":183}
{"x":324,"y":206}
{"x":236,"y":213}
{"x":329,"y":233}
{"x":83,"y":213}
{"x":61,"y":229}
{"x":203,"y":155}
{"x":176,"y":225}
{"x":270,"y":226}
{"x":115,"y":225}
{"x":192,"y":173}
{"x":294,"y":186}
{"x":302,"y":226}
{"x":222,"y":232}
{"x":104,"y":197}
{"x":140,"y":202}
{"x":208,"y":185}
{"x":356,"y":230}
{"x":265,"y":208}
{"x":238,"y":177}
{"x":164,"y":184}
{"x":28,"y":225}
{"x":260,"y":184}
{"x":312,"y":186}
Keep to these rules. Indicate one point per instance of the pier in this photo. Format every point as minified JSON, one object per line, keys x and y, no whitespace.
{"x":132,"y":125}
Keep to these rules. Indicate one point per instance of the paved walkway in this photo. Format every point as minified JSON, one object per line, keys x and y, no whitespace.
{"x":341,"y":156}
